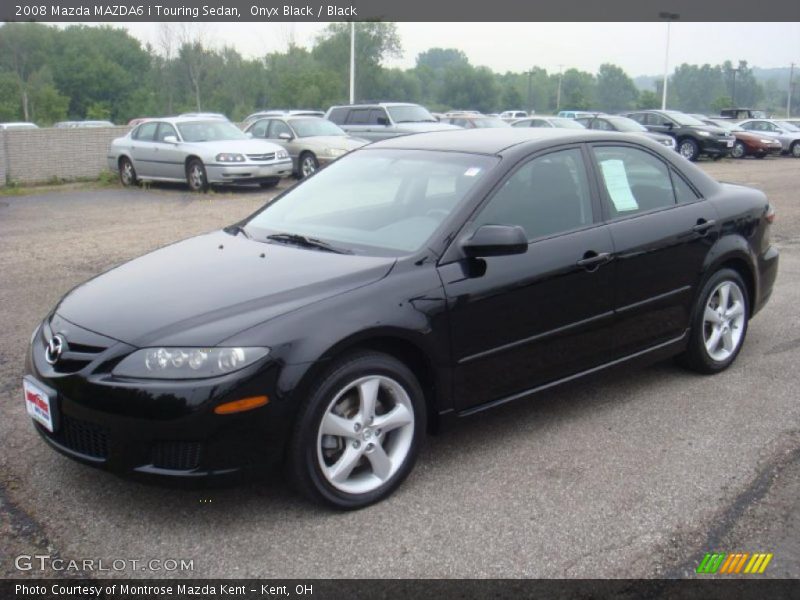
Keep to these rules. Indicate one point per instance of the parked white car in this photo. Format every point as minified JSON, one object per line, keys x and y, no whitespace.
{"x":199,"y":152}
{"x":513,"y":115}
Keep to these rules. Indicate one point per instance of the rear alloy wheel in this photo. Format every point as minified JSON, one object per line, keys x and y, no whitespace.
{"x":308,"y":165}
{"x":738,"y":150}
{"x":127,"y":174}
{"x":196,"y":176}
{"x":720,"y":323}
{"x":358,"y":434}
{"x":795,"y":149}
{"x":689,"y":149}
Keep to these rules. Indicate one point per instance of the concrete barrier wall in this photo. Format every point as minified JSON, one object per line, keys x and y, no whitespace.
{"x":42,"y":155}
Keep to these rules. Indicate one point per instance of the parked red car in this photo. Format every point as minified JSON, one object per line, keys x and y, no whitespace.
{"x":747,"y":143}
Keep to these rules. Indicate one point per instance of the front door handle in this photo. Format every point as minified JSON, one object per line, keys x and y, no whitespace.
{"x":703,"y":226}
{"x":592,"y":260}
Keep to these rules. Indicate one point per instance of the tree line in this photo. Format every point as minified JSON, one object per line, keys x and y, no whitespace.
{"x":49,"y":74}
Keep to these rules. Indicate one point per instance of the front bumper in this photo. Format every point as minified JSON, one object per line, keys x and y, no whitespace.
{"x":248,"y":172}
{"x":151,"y":427}
{"x":716,"y":146}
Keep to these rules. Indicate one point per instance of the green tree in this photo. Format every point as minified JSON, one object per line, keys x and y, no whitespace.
{"x":24,"y":49}
{"x":648,"y":100}
{"x":615,"y":90}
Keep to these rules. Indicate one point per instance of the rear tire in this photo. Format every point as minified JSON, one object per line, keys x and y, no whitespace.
{"x":358,"y":433}
{"x":689,"y":149}
{"x":196,"y":176}
{"x":127,"y":174}
{"x":719,"y":323}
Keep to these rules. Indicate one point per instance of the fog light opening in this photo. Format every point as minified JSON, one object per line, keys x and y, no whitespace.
{"x":242,"y":405}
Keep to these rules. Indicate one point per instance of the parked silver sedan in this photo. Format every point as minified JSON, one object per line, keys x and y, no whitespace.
{"x":200,"y":152}
{"x":312,"y":142}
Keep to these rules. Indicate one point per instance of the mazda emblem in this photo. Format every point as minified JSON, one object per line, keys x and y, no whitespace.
{"x":55,"y":346}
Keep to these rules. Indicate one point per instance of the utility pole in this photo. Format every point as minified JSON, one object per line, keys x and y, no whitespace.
{"x":789,"y":95}
{"x":669,"y":17}
{"x":352,"y":62}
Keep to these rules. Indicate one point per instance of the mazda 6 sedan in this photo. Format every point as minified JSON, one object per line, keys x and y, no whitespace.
{"x":414,"y":281}
{"x":200,"y":151}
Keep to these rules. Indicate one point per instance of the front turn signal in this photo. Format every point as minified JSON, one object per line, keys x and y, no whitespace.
{"x":241,"y":405}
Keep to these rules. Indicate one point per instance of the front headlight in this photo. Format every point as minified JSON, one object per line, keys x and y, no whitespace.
{"x":334,"y":152}
{"x":230,"y":157}
{"x":187,"y":363}
{"x":766,"y":141}
{"x":703,"y":133}
{"x":281,"y":154}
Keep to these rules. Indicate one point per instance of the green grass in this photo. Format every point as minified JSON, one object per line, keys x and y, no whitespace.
{"x":106,"y":179}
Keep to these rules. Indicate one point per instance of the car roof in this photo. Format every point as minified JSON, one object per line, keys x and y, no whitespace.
{"x":492,"y":141}
{"x":368,"y":104}
{"x":185,"y":119}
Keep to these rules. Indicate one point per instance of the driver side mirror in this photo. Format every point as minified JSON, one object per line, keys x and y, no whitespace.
{"x":383,"y":121}
{"x":170,"y":139}
{"x":285,"y":136}
{"x":496,"y":240}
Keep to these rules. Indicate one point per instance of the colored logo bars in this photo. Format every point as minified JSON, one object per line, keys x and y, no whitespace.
{"x":733,"y":564}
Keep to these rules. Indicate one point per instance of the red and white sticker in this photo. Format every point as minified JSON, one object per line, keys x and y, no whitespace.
{"x":38,"y":404}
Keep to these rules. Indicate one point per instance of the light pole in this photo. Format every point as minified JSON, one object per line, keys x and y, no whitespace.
{"x":733,"y":92}
{"x":352,"y":62}
{"x":558,"y":90}
{"x":669,"y":17}
{"x":789,"y":95}
{"x":530,"y":90}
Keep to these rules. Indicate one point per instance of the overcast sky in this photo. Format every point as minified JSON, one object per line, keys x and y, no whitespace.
{"x":636,"y":47}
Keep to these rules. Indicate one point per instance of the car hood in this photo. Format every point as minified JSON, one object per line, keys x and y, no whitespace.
{"x":711,"y":129}
{"x":342,"y":142}
{"x":752,"y":136}
{"x":248,"y":146}
{"x":425,"y":126}
{"x":205,"y":289}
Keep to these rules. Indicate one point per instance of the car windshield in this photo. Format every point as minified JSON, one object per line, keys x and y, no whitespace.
{"x":788,"y":126}
{"x":210,"y":131}
{"x":487,"y":122}
{"x":726,"y":125}
{"x":684,"y":119}
{"x":625,"y":124}
{"x":566,"y":123}
{"x":410,"y":114}
{"x":385,"y":202}
{"x":313,"y":126}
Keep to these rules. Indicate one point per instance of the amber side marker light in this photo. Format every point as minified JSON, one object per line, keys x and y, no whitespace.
{"x":770,"y":216}
{"x":241,"y":405}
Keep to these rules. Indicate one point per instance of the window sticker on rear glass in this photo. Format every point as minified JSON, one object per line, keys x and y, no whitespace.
{"x":472,"y":171}
{"x":618,"y":186}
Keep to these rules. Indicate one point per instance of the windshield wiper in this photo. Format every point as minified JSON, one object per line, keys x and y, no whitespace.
{"x":308,"y":242}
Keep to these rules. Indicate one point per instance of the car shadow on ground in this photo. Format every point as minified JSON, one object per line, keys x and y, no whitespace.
{"x":182,"y":188}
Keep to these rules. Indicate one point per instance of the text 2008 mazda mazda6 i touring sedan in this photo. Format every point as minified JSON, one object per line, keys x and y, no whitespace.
{"x":416,"y":279}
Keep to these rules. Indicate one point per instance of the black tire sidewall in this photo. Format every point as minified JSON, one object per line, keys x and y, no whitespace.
{"x":697,"y":356}
{"x":303,"y":158}
{"x":189,"y":167}
{"x":304,"y":468}
{"x":695,"y":149}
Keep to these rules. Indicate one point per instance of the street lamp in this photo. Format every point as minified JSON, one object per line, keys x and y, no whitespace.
{"x":733,"y":92}
{"x":558,"y":92}
{"x":669,"y":17}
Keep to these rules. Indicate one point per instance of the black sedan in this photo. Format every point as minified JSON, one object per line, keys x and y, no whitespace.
{"x":414,"y":281}
{"x":624,"y":125}
{"x":693,"y":138}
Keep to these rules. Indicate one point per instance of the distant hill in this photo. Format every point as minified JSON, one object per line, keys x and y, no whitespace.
{"x":779,"y":74}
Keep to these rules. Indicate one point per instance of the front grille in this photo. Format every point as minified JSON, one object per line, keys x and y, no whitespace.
{"x":79,"y":346}
{"x":82,"y":437}
{"x":262,"y":157}
{"x":178,"y":456}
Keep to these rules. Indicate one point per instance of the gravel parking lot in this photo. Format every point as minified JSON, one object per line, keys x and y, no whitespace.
{"x":633,"y":475}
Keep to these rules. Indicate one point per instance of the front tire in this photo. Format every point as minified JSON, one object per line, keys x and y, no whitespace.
{"x":794,"y":149}
{"x":738,"y":150}
{"x":358,"y":434}
{"x":719,"y":323}
{"x":127,"y":174}
{"x":689,"y":149}
{"x":308,"y":165}
{"x":196,"y":176}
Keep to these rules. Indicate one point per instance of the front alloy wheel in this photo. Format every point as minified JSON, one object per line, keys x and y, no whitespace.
{"x":196,"y":176}
{"x":308,"y":165}
{"x":738,"y":150}
{"x":795,"y":150}
{"x":689,"y":149}
{"x":357,"y":434}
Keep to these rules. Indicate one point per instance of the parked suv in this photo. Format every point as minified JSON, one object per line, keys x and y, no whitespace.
{"x":693,"y":138}
{"x":384,"y":120}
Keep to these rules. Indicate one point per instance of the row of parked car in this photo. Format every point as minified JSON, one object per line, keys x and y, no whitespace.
{"x":203,"y":149}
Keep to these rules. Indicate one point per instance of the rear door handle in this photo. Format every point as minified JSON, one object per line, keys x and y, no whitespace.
{"x":592,"y":260}
{"x":703,"y":226}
